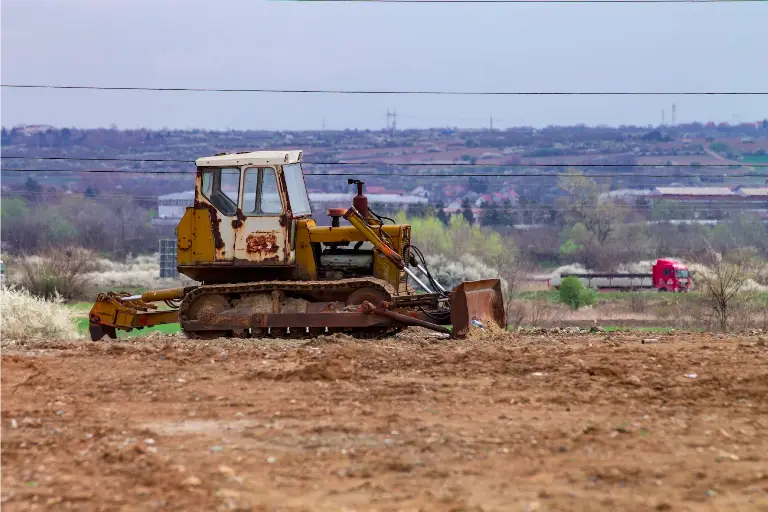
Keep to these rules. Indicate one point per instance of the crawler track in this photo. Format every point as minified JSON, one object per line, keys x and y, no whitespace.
{"x":302,"y":309}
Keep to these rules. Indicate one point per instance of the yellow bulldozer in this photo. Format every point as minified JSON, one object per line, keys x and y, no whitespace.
{"x":268,"y":270}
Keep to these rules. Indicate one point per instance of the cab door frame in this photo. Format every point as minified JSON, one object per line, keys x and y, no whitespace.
{"x":261,"y":237}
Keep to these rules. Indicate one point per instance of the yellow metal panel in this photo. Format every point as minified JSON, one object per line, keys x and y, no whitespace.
{"x":195,"y":243}
{"x":382,"y":267}
{"x":385,"y":269}
{"x":327,"y":234}
{"x":204,"y":244}
{"x":305,"y":258}
{"x":185,"y":236}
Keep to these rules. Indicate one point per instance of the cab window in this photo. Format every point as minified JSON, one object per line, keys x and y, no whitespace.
{"x":222,"y":188}
{"x":297,"y":190}
{"x":260,"y":193}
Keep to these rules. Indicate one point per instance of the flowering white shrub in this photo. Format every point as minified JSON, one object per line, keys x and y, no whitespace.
{"x":451,"y":272}
{"x":25,"y":316}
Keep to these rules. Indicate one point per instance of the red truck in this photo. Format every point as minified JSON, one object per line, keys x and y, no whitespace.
{"x":666,"y":276}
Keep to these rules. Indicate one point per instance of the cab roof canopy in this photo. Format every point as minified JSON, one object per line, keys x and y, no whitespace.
{"x":250,"y":158}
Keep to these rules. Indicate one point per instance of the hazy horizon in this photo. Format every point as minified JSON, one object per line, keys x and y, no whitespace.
{"x":484,"y":47}
{"x":380,"y":129}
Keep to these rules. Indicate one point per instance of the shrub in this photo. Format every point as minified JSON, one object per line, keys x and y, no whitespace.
{"x":516,"y":311}
{"x":575,"y":294}
{"x":25,"y":316}
{"x":638,"y":301}
{"x":57,"y":272}
{"x":539,"y":312}
{"x":450,"y":272}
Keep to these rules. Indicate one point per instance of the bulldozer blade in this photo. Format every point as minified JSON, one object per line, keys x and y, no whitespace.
{"x":477,"y":300}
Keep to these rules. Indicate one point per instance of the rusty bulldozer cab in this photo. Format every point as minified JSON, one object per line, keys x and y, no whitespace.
{"x":244,"y":220}
{"x":267,"y":269}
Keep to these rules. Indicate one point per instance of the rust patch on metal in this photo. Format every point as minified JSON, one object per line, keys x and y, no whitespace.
{"x":265,"y":243}
{"x":239,"y":219}
{"x":198,"y":187}
{"x":215,"y":223}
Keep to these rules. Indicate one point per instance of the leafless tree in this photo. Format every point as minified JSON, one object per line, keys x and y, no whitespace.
{"x":724,"y":283}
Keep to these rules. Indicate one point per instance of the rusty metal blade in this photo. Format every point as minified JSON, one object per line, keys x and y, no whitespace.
{"x":477,"y":300}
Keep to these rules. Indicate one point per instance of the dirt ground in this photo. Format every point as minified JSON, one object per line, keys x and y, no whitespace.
{"x":529,"y":422}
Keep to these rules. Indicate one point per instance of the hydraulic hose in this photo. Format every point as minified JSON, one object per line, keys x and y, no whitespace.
{"x":413,"y":254}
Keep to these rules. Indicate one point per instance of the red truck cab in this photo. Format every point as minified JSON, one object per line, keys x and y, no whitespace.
{"x":671,"y":276}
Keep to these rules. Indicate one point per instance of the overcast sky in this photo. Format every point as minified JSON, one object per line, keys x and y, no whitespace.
{"x":263,"y":44}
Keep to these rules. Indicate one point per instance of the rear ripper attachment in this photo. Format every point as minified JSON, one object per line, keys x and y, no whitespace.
{"x":114,"y":310}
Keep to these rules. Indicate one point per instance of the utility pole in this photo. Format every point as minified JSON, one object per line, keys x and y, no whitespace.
{"x":323,"y":124}
{"x":491,"y":122}
{"x":674,"y":114}
{"x":393,"y":125}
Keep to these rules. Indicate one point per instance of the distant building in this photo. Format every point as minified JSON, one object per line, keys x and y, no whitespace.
{"x":749,"y":193}
{"x":693,"y":193}
{"x":32,"y":129}
{"x":171,"y":206}
{"x":627,"y":194}
{"x":718,"y":198}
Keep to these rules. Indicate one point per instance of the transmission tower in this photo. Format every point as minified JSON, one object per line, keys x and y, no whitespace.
{"x":391,"y":125}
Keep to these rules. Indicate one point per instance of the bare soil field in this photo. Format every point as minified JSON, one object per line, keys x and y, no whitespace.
{"x":534,"y":422}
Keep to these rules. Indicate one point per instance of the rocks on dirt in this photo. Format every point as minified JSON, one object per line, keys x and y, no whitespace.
{"x":226,"y":471}
{"x":192,"y":481}
{"x":572,"y":329}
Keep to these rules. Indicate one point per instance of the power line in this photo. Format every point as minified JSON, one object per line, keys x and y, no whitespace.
{"x":96,"y":159}
{"x":98,"y":171}
{"x":511,"y":165}
{"x":383,"y":92}
{"x":403,"y":164}
{"x":81,"y":195}
{"x":533,"y":1}
{"x":413,"y":175}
